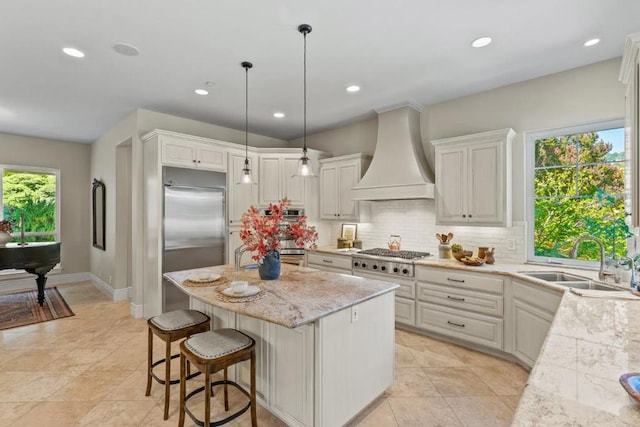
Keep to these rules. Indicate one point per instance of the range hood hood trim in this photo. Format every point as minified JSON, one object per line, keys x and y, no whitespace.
{"x":399,"y":169}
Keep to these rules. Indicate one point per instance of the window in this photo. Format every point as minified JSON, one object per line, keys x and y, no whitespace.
{"x":32,"y":194}
{"x":577,"y":187}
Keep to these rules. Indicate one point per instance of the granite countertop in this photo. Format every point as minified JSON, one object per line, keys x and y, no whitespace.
{"x":301,"y":295}
{"x":590,"y":344}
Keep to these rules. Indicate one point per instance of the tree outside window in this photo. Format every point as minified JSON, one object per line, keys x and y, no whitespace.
{"x":34,"y":194}
{"x":578,"y":190}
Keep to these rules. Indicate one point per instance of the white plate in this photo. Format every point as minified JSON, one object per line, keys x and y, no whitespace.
{"x":204,"y":276}
{"x":251,"y":290}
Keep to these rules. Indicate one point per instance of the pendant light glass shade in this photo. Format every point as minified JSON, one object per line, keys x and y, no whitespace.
{"x":245,"y":177}
{"x":305,"y":166}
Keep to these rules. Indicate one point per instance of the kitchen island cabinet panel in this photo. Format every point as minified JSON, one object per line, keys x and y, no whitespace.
{"x":325,"y":342}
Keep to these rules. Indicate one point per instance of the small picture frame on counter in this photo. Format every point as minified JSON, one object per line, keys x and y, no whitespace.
{"x":349,"y":231}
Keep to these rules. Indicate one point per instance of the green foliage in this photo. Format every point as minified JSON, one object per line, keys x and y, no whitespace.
{"x":577,"y":193}
{"x":31,"y":193}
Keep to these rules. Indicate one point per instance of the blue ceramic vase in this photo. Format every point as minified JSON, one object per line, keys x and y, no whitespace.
{"x":269,"y":268}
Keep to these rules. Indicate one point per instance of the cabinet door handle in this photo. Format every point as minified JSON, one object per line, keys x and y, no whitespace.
{"x":461,"y":325}
{"x":455,"y":280}
{"x":199,"y":162}
{"x":454,"y":298}
{"x":464,"y":216}
{"x":470,"y":215}
{"x":194,"y":160}
{"x":328,"y":261}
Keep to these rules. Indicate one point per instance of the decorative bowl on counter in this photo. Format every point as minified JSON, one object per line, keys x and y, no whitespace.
{"x":474,"y":261}
{"x":462,"y":254}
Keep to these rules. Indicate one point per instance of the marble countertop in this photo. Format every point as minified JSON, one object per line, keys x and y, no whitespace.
{"x":574,"y":382}
{"x":301,"y":295}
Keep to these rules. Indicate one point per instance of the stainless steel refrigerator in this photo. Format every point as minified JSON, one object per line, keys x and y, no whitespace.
{"x":194,"y":226}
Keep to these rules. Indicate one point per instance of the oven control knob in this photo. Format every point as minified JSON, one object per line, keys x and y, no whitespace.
{"x":395,"y":269}
{"x":364,"y":265}
{"x":375,"y":267}
{"x":405,"y":271}
{"x":355,"y":264}
{"x":383,"y":268}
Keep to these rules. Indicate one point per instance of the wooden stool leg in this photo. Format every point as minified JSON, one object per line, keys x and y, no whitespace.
{"x":183,"y":389}
{"x":254,"y":417}
{"x":226,"y":392}
{"x":149,"y":361}
{"x":167,"y":378}
{"x":207,"y":397}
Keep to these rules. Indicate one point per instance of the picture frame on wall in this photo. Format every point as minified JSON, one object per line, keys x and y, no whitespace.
{"x":349,"y":231}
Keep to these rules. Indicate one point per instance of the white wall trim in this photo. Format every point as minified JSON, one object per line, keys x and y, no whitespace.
{"x":135,"y":310}
{"x":114,"y":294}
{"x":28,"y":283}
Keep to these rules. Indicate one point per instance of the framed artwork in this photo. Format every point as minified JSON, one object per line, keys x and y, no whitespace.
{"x":349,"y":231}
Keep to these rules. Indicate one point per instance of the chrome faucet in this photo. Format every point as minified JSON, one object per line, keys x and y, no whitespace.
{"x":602,"y":275}
{"x":240,"y":250}
{"x":633,"y":281}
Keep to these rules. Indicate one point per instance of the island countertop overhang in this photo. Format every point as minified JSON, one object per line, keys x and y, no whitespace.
{"x":301,"y":295}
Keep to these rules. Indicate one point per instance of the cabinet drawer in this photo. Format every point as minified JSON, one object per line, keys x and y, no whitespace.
{"x":471,"y":327}
{"x":406,"y":289}
{"x":460,"y":279}
{"x":460,"y":298}
{"x":405,"y":311}
{"x":335,"y":261}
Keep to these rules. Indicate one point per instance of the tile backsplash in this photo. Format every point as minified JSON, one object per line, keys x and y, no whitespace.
{"x":415,"y":222}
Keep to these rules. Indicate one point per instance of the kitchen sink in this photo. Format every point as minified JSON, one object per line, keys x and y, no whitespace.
{"x":554,"y":276}
{"x":569,"y":280}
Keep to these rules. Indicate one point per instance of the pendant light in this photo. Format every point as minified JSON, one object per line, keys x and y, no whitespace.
{"x":245,"y":178}
{"x":305,"y":168}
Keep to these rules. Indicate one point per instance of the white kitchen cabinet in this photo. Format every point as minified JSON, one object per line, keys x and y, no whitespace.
{"x":338,"y":175}
{"x":329,"y":262}
{"x":462,"y":305}
{"x":630,"y":75}
{"x":533,"y":309}
{"x":277,"y":180}
{"x":405,"y":303}
{"x":186,"y":153}
{"x":240,"y":196}
{"x":473,"y":179}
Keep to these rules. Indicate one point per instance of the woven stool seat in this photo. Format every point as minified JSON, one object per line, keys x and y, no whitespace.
{"x":178,"y":319}
{"x":211,"y":352}
{"x":170,"y":327}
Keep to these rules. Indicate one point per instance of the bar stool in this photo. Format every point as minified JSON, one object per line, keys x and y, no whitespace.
{"x":210,"y":352}
{"x":171,"y":327}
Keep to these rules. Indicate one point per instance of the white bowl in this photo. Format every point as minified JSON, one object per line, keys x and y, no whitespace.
{"x":239,"y":286}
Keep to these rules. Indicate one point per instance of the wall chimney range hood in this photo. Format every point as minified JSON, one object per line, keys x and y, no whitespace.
{"x":399,"y":168}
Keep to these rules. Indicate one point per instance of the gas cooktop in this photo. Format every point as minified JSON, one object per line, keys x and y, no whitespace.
{"x":382,"y":252}
{"x":383,"y":261}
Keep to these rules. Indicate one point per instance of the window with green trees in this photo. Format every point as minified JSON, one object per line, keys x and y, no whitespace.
{"x":578,"y":189}
{"x":31,"y":192}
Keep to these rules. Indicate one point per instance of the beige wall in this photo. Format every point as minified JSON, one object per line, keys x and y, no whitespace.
{"x":150,"y":120}
{"x":73,"y":161}
{"x":353,"y":138}
{"x":581,"y":95}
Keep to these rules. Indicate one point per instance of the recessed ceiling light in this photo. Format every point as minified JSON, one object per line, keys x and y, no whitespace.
{"x":126,"y":49}
{"x":353,"y":88}
{"x":481,"y":42}
{"x":592,"y":42}
{"x":201,"y":92}
{"x":210,"y":83}
{"x":278,"y":115}
{"x":73,"y":52}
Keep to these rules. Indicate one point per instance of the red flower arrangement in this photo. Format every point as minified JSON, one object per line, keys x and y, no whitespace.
{"x":262,"y":234}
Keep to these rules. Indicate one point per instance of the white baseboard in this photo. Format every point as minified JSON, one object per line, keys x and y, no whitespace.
{"x":135,"y":310}
{"x":27,"y":283}
{"x":105,"y":288}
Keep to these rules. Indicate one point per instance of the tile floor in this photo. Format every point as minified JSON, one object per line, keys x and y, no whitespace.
{"x":90,"y":369}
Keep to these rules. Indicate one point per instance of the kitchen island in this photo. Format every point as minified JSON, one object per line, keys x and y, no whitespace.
{"x":324,"y":341}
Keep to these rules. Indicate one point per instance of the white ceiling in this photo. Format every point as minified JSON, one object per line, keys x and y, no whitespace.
{"x":397,"y":50}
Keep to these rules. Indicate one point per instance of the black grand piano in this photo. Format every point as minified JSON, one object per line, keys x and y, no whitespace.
{"x":34,"y":258}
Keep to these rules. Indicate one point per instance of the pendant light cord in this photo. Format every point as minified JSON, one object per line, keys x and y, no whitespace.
{"x":246,"y":115}
{"x":305,"y":95}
